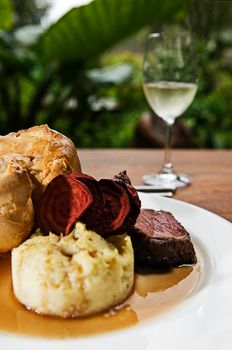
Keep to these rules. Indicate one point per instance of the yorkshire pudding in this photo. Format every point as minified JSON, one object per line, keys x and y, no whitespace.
{"x":29,"y":160}
{"x":50,"y":154}
{"x":16,"y":208}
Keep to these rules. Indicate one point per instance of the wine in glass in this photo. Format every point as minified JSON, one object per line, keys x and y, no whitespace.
{"x":170,"y":85}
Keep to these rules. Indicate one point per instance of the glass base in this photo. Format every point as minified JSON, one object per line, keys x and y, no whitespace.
{"x":167,"y":180}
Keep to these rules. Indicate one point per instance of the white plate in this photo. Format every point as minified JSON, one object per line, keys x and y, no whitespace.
{"x":203,"y":321}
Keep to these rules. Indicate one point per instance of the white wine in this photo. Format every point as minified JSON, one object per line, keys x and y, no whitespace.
{"x":169,"y":99}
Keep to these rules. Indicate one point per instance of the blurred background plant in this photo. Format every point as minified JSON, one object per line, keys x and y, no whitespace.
{"x":82,"y":75}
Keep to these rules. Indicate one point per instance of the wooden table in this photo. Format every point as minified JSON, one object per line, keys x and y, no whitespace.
{"x":211,"y":172}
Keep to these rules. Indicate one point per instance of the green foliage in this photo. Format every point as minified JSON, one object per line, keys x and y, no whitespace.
{"x":40,"y":83}
{"x":113,"y":130}
{"x":116,"y":128}
{"x":210,"y":116}
{"x":68,"y":80}
{"x":6,"y":14}
{"x":88,"y":31}
{"x":23,"y":79}
{"x":102,"y":125}
{"x":28,"y":12}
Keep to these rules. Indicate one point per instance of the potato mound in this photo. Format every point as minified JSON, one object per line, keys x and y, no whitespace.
{"x":75,"y":275}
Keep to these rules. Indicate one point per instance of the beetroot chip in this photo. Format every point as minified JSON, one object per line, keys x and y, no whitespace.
{"x":116,"y":207}
{"x":94,"y":213}
{"x":123,"y":180}
{"x":64,"y":200}
{"x":135,"y":206}
{"x":107,"y":206}
{"x":122,"y":177}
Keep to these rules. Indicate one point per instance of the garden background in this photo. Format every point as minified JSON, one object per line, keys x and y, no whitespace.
{"x":82,"y":74}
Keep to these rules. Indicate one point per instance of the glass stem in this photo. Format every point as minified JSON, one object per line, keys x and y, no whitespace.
{"x":167,"y":165}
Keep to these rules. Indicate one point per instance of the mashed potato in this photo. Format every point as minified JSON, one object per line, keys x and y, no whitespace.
{"x":75,"y":275}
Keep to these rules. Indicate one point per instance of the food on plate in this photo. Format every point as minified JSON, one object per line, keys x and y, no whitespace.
{"x":75,"y":275}
{"x":108,"y":207}
{"x":160,"y":240}
{"x":29,"y":160}
{"x":49,"y":154}
{"x":16,"y":208}
{"x":124,"y":215}
{"x":65,"y":200}
{"x":81,"y":261}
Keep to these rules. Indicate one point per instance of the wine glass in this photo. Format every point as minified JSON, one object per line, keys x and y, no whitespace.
{"x":170,"y":85}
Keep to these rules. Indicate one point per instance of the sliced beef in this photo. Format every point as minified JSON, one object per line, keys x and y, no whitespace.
{"x":160,"y":240}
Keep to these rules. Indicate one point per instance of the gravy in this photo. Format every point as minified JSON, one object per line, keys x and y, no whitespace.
{"x":155,"y":292}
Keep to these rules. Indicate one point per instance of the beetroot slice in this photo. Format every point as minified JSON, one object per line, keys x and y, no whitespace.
{"x":122,"y":177}
{"x":116,"y":207}
{"x":64,"y":200}
{"x":135,"y":204}
{"x":123,"y":180}
{"x":106,"y":206}
{"x":94,"y":213}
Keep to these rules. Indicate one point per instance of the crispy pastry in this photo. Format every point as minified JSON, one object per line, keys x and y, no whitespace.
{"x":29,"y":160}
{"x":16,"y":208}
{"x":50,"y":154}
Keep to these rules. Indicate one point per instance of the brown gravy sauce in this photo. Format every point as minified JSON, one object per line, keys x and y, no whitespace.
{"x":155,"y":292}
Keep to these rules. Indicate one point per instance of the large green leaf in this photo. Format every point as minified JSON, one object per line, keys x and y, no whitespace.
{"x":6,"y":14}
{"x":89,"y":30}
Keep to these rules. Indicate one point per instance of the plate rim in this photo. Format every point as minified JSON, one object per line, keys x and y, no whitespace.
{"x":25,"y":342}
